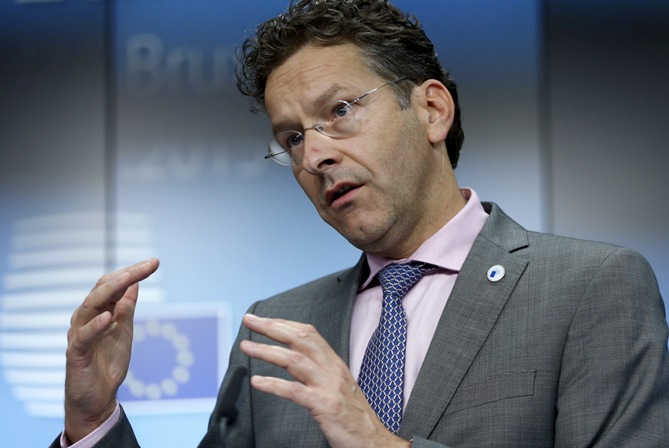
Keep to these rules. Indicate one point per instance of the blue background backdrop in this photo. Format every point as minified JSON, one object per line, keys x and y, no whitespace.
{"x":122,"y":136}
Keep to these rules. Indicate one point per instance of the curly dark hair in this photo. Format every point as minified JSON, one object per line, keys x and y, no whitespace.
{"x":393,"y":42}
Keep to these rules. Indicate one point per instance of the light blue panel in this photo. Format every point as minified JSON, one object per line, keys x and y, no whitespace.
{"x":51,"y":201}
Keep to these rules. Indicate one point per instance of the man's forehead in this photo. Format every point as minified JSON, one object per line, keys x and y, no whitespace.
{"x":311,"y":78}
{"x":317,"y":70}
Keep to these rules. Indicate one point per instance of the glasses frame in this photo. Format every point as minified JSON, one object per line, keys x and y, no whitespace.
{"x":278,"y":156}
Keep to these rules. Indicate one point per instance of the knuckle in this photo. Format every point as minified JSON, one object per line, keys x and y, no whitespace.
{"x":295,"y":389}
{"x":73,"y":318}
{"x":74,"y":342}
{"x":85,"y":305}
{"x":70,"y":350}
{"x":330,"y":402}
{"x":310,"y":329}
{"x":296,"y":357}
{"x":306,"y":331}
{"x":101,"y":281}
{"x":70,"y":337}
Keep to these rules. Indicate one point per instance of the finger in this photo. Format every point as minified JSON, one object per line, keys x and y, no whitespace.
{"x":110,"y":289}
{"x":118,"y":281}
{"x":124,"y":311}
{"x":318,"y":400}
{"x":135,"y":269}
{"x":301,"y":337}
{"x":102,"y":298}
{"x":291,"y":390}
{"x":297,"y":364}
{"x":309,"y":359}
{"x":82,"y":338}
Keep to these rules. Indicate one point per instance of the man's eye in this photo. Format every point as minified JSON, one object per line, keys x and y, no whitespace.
{"x":293,"y":141}
{"x":340,"y":111}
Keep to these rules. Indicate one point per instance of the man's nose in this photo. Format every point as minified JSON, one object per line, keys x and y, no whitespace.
{"x":319,"y":151}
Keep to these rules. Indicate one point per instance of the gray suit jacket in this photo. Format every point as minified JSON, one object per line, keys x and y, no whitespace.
{"x":569,"y":349}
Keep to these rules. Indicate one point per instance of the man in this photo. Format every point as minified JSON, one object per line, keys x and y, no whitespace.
{"x":509,"y":338}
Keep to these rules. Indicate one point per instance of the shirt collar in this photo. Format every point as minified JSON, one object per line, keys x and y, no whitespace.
{"x":446,"y":249}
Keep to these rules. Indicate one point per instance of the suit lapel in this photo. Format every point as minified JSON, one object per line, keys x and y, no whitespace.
{"x":470,"y":314}
{"x":333,"y":318}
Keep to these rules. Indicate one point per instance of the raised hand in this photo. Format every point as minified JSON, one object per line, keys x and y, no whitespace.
{"x":99,"y":346}
{"x":324,"y":384}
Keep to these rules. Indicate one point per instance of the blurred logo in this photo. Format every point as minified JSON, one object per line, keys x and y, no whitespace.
{"x":176,"y":363}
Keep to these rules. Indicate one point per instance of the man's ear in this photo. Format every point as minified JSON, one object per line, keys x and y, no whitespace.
{"x":439,"y":109}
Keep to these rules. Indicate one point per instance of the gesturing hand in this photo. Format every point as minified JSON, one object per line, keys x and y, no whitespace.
{"x":324,"y":384}
{"x":98,"y":350}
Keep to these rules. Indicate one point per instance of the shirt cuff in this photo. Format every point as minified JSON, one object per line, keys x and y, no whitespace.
{"x":90,"y":440}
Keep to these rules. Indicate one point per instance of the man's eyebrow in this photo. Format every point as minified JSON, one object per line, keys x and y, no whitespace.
{"x":285,"y":125}
{"x":328,"y":94}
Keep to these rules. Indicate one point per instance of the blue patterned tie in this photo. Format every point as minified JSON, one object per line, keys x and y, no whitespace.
{"x":382,"y":372}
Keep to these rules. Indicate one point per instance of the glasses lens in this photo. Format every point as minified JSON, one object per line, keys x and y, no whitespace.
{"x":289,"y":140}
{"x":336,"y":118}
{"x":278,"y":154}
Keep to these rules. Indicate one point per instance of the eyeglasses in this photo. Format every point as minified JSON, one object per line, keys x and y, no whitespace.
{"x":336,"y":119}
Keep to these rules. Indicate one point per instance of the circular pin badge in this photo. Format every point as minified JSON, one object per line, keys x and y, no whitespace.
{"x":496,"y":273}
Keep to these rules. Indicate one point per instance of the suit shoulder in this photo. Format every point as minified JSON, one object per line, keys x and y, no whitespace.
{"x":571,"y":255}
{"x":573,"y":247}
{"x":309,"y":295}
{"x":313,"y":286}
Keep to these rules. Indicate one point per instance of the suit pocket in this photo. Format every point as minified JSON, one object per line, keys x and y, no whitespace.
{"x":496,"y":388}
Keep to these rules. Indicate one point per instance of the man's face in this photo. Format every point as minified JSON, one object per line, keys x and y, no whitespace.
{"x":374,"y":187}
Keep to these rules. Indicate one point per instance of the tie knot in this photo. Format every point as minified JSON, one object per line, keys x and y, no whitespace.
{"x":397,"y":279}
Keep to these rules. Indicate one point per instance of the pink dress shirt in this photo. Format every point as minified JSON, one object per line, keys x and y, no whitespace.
{"x":94,"y":437}
{"x":423,"y":304}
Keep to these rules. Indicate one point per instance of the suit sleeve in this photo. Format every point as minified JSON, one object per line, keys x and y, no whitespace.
{"x":120,"y":435}
{"x":614,"y":381}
